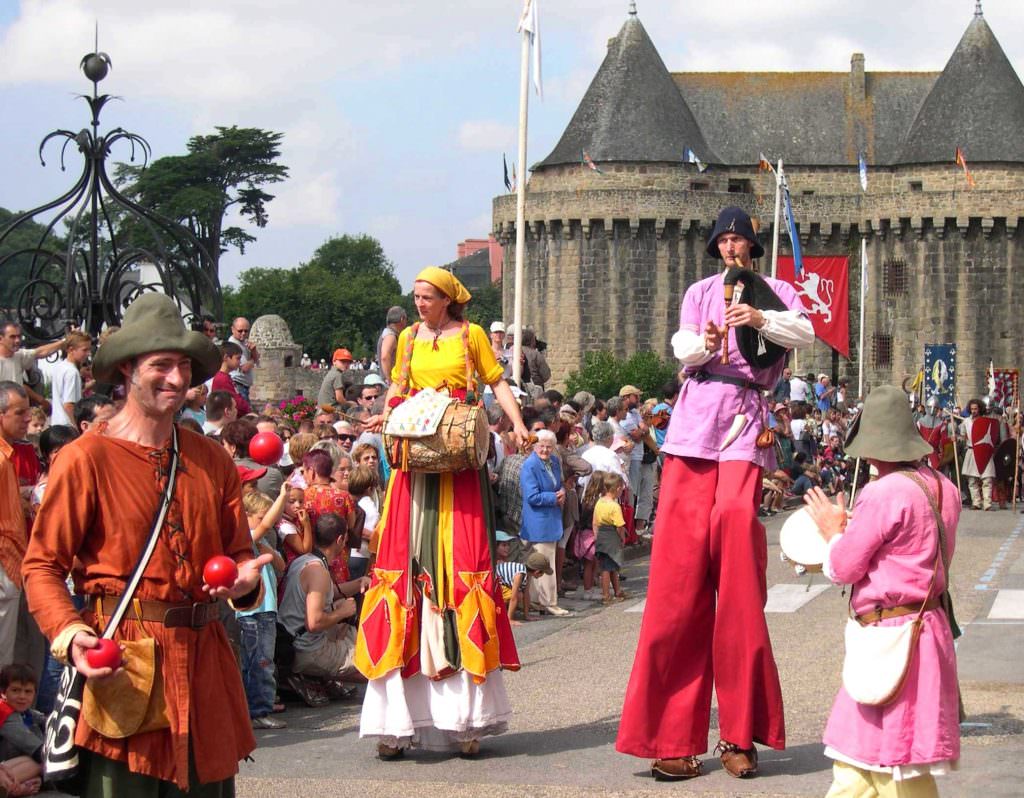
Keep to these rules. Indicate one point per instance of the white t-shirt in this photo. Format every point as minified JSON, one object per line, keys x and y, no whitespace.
{"x":13,"y":368}
{"x":369,"y":507}
{"x":797,"y":390}
{"x":67,"y":388}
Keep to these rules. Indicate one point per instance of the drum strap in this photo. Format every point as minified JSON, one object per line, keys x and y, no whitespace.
{"x":405,"y":370}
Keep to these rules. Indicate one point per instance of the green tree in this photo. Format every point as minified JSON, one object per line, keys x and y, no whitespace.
{"x":224,"y":171}
{"x":14,"y":273}
{"x":602,"y":374}
{"x":485,"y":306}
{"x":339,"y":297}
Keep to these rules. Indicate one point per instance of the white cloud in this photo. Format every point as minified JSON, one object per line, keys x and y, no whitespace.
{"x":485,"y":135}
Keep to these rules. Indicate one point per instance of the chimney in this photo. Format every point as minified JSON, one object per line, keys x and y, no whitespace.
{"x":858,"y":93}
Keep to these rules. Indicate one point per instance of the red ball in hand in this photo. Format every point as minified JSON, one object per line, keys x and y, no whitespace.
{"x":266,"y":448}
{"x":106,"y":655}
{"x":220,"y":571}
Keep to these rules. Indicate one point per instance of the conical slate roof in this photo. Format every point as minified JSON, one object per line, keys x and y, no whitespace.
{"x":977,"y":103}
{"x":633,"y":111}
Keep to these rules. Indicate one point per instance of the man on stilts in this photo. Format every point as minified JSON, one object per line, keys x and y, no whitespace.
{"x":704,"y":621}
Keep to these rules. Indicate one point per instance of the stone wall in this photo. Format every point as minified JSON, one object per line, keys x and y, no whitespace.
{"x":610,"y":256}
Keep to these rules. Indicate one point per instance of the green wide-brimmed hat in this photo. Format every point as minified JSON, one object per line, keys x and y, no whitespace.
{"x":884,"y":430}
{"x":153,"y":323}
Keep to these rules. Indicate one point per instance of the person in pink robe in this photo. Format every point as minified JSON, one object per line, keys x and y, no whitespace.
{"x":887,"y":552}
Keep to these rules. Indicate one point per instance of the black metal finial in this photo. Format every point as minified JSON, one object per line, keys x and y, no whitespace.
{"x":113,"y":248}
{"x":977,"y":8}
{"x":632,"y":8}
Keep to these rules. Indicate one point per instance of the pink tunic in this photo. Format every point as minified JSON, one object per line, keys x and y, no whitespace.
{"x":887,"y":553}
{"x":708,"y":408}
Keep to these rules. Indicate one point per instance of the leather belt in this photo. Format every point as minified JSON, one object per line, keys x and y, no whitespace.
{"x":703,"y":376}
{"x":170,"y":614}
{"x":882,"y":613}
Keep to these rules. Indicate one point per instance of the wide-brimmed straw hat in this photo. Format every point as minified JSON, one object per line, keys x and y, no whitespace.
{"x":884,"y":430}
{"x":153,"y":323}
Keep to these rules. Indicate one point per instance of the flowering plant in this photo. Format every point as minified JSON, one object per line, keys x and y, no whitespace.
{"x":299,"y":408}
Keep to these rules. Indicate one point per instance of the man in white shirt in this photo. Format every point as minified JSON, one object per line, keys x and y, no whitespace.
{"x":798,"y":390}
{"x":67,"y":379}
{"x":15,"y":361}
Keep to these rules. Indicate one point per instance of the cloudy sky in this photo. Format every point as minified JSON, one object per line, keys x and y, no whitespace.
{"x":396,"y":112}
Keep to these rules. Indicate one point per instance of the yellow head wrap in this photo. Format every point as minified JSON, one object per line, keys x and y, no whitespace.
{"x":445,"y":282}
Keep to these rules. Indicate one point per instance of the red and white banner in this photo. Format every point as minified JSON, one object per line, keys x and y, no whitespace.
{"x":824,"y":287}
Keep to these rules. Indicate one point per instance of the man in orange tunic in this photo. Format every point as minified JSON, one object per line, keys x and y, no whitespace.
{"x":100,"y":503}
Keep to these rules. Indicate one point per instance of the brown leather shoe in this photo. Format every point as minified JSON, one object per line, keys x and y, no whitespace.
{"x":389,"y":752}
{"x":679,"y":769}
{"x":740,"y":763}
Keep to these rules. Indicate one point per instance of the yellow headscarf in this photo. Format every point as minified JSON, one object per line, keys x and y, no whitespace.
{"x":445,"y":282}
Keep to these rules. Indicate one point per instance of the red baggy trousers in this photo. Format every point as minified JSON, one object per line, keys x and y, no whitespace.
{"x":704,"y":619}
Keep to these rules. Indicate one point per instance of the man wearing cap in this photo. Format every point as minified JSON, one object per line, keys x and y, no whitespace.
{"x":642,"y":462}
{"x":387,"y":341}
{"x":332,"y":389}
{"x":704,"y":623}
{"x":242,"y":376}
{"x":101,"y":501}
{"x":497,"y":336}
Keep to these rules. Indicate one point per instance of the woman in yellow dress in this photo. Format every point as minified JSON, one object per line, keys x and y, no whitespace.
{"x":433,"y":635}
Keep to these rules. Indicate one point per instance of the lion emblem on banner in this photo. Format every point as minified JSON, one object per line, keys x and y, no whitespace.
{"x":818,"y":293}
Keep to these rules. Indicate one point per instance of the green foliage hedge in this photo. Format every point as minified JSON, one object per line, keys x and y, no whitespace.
{"x":602,"y":374}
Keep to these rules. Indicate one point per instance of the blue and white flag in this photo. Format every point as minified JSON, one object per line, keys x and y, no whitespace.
{"x":940,"y":373}
{"x":691,"y":157}
{"x":863,"y":168}
{"x":794,"y":239}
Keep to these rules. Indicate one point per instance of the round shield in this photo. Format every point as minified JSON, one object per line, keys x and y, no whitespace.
{"x":1006,"y":459}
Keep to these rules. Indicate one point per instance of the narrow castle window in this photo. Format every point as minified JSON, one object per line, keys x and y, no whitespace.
{"x":739,"y":186}
{"x":916,"y":185}
{"x":881,"y":350}
{"x":894,"y":277}
{"x":695,"y":186}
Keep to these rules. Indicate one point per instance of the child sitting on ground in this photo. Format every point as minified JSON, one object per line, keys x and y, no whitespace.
{"x":610,"y":527}
{"x":513,"y":578}
{"x":362,"y":486}
{"x":259,"y":626}
{"x":21,"y":732}
{"x":295,"y":530}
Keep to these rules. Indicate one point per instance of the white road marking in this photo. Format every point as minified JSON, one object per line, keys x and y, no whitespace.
{"x":984,"y":581}
{"x":789,"y":598}
{"x":1009,"y":605}
{"x":638,"y":607}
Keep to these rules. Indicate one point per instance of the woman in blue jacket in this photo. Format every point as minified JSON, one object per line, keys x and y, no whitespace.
{"x":543,"y":496}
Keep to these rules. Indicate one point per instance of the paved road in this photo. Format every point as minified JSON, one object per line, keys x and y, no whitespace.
{"x":568,"y":698}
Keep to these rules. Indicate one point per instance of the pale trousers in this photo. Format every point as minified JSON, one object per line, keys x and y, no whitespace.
{"x":981,"y":491}
{"x":10,"y":600}
{"x":648,"y":473}
{"x":852,"y":782}
{"x":544,"y":588}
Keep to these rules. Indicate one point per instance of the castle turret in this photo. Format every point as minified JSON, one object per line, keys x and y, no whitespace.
{"x":633,"y":112}
{"x":977,"y":103}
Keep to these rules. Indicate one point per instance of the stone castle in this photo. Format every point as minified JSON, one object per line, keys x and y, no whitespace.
{"x":610,"y":255}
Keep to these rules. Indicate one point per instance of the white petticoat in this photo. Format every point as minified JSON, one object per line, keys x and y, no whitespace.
{"x":434,"y":715}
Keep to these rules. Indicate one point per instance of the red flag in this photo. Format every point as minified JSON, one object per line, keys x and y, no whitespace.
{"x":823,"y":286}
{"x":962,"y":163}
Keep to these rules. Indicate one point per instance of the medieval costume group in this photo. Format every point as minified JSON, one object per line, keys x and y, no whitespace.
{"x":434,"y":639}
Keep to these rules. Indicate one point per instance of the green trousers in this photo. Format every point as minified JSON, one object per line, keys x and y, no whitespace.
{"x":107,"y":778}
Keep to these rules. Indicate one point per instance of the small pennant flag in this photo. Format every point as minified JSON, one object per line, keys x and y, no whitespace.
{"x":691,"y":157}
{"x":515,"y":180}
{"x":587,"y":161}
{"x":763,"y":164}
{"x":508,"y":183}
{"x":794,"y":239}
{"x":862,"y":165}
{"x":991,"y":378}
{"x":529,"y":23}
{"x":962,"y":163}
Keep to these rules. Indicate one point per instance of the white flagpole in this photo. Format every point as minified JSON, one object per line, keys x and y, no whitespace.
{"x":517,"y":319}
{"x":778,"y":209}
{"x":863,"y":295}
